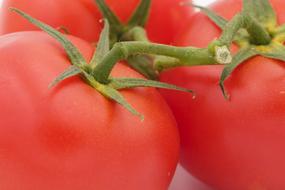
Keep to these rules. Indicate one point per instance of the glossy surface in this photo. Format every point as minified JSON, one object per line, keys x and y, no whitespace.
{"x":236,"y":144}
{"x":71,"y":137}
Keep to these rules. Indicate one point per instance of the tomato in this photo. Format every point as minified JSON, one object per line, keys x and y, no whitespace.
{"x":236,"y":144}
{"x":71,"y":137}
{"x":81,"y":17}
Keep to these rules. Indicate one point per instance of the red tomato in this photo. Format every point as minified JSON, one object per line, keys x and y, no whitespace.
{"x":237,"y":144}
{"x":81,"y":17}
{"x":71,"y":137}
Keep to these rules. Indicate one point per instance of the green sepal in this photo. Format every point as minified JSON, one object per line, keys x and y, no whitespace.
{"x":103,"y":45}
{"x":123,"y":83}
{"x":144,"y":65}
{"x":275,"y":51}
{"x":74,"y":55}
{"x":239,"y":58}
{"x":262,"y":11}
{"x":69,"y":72}
{"x":217,"y":19}
{"x":109,"y":15}
{"x":111,"y":93}
{"x":116,"y":27}
{"x":79,"y":62}
{"x":240,"y":37}
{"x":117,"y":97}
{"x":119,"y":30}
{"x":140,"y":15}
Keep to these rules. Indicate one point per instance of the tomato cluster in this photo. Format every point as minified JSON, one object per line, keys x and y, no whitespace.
{"x":82,"y":132}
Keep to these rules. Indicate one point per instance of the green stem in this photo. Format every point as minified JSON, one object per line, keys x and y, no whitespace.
{"x":137,"y":33}
{"x":141,"y":63}
{"x":122,"y":50}
{"x":258,"y":34}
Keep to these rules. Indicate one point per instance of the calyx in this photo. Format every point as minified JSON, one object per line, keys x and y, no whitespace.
{"x":254,"y":30}
{"x":79,"y":66}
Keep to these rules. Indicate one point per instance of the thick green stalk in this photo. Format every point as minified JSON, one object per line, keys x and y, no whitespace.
{"x":121,"y":51}
{"x":142,"y":63}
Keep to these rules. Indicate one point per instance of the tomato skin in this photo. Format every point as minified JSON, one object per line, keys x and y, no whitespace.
{"x":236,"y":144}
{"x":71,"y":137}
{"x":81,"y":17}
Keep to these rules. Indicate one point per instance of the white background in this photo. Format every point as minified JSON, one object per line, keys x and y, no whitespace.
{"x":203,"y":2}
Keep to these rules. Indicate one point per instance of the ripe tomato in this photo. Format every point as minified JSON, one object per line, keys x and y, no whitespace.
{"x":81,"y":17}
{"x":71,"y":137}
{"x":237,"y":144}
